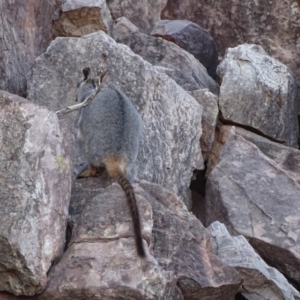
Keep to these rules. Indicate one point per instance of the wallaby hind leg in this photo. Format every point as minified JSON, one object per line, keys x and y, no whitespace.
{"x":90,"y":172}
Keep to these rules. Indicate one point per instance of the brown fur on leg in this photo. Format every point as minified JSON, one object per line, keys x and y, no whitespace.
{"x":91,"y":172}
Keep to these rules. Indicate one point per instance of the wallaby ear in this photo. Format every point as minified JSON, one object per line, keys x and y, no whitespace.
{"x":101,"y":74}
{"x":86,"y":73}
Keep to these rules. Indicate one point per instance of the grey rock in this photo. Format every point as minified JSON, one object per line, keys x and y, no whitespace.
{"x":210,"y":112}
{"x":122,"y":27}
{"x":167,"y":57}
{"x":181,"y":245}
{"x":25,"y":30}
{"x":34,"y":194}
{"x":260,"y":92}
{"x":77,"y":18}
{"x":254,"y":196}
{"x":102,"y":242}
{"x":260,"y":281}
{"x":142,"y":14}
{"x":192,"y":38}
{"x":273,"y":25}
{"x":170,"y":150}
{"x":287,"y":158}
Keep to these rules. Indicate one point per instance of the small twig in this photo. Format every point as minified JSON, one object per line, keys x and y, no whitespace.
{"x":86,"y":102}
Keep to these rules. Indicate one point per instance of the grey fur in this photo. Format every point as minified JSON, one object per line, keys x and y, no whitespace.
{"x":109,"y":125}
{"x":109,"y":132}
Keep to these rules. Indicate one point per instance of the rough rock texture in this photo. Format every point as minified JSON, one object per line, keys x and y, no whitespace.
{"x":166,"y":56}
{"x":77,"y":18}
{"x":102,"y":241}
{"x":273,"y":25}
{"x":34,"y":193}
{"x":210,"y":112}
{"x":181,"y":245}
{"x":192,"y":38}
{"x":143,"y":13}
{"x":287,"y":158}
{"x":261,"y":282}
{"x":8,"y":296}
{"x":254,"y":196}
{"x":259,"y":92}
{"x":169,"y":150}
{"x":25,"y":31}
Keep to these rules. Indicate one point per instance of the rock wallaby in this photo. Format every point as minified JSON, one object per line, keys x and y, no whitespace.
{"x":109,"y":133}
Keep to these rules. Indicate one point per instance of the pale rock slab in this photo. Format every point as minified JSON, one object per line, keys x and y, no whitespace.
{"x":260,"y":92}
{"x":287,"y":158}
{"x":170,"y":150}
{"x":35,"y":193}
{"x":261,"y":282}
{"x":254,"y":196}
{"x":80,"y":17}
{"x":167,"y":57}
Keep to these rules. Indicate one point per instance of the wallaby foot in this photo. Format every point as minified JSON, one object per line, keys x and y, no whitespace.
{"x":92,"y":171}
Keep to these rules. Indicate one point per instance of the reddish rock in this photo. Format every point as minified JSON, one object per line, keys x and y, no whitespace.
{"x":256,"y":197}
{"x":142,"y":13}
{"x":35,"y":188}
{"x":181,"y":245}
{"x":77,"y":18}
{"x":274,"y":25}
{"x":101,"y":259}
{"x":25,"y":34}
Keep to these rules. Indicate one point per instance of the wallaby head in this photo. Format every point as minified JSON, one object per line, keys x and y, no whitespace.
{"x":86,"y":86}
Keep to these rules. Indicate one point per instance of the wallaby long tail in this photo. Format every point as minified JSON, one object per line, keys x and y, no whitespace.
{"x":115,"y":169}
{"x":128,"y":189}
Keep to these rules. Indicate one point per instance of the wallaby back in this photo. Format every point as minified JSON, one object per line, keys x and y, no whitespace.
{"x":109,"y":133}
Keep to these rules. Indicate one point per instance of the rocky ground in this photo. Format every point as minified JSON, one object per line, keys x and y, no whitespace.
{"x":218,"y":171}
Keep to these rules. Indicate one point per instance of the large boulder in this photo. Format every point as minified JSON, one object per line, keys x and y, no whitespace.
{"x":78,"y":18}
{"x":260,"y":92}
{"x":35,"y":191}
{"x":260,"y":281}
{"x":170,"y":149}
{"x":192,"y":38}
{"x":141,"y":13}
{"x":273,"y":25}
{"x":169,"y":58}
{"x":102,"y":242}
{"x":25,"y":33}
{"x":181,"y":245}
{"x":256,"y":197}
